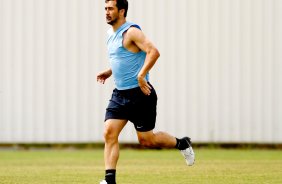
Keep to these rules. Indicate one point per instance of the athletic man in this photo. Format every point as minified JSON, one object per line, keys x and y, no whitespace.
{"x":134,"y":99}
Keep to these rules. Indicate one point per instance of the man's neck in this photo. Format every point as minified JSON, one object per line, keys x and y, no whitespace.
{"x":118,"y":24}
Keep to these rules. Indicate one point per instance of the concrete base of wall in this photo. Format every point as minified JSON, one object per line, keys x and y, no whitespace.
{"x":100,"y":145}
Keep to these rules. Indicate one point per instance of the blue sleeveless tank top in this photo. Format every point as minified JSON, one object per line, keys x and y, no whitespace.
{"x":125,"y":64}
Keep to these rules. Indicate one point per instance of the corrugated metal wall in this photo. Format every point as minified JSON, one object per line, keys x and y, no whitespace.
{"x":219,"y":77}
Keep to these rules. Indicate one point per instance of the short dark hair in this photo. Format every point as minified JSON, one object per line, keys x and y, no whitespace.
{"x":121,"y":4}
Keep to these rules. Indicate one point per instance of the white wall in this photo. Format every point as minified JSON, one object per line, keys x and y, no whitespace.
{"x":219,"y":77}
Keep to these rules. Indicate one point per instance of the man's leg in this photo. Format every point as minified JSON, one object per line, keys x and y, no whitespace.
{"x":158,"y":139}
{"x":112,"y":130}
{"x":164,"y":140}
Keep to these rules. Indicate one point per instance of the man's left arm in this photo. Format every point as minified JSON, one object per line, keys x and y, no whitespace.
{"x":152,"y":54}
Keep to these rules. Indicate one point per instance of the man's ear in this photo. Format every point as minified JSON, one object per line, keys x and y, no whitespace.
{"x":121,"y":12}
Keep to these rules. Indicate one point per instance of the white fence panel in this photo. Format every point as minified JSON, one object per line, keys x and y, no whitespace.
{"x":219,"y":77}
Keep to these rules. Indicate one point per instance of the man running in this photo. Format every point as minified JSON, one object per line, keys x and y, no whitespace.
{"x":134,"y":99}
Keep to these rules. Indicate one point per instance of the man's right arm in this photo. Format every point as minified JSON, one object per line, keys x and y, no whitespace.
{"x":102,"y":76}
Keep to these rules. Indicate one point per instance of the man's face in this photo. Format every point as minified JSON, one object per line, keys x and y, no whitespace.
{"x":112,"y":13}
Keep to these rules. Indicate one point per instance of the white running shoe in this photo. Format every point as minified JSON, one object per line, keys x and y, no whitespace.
{"x":188,"y":153}
{"x":103,"y":182}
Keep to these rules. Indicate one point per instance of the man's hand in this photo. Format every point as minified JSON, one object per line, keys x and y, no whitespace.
{"x":145,"y":87}
{"x":102,"y":76}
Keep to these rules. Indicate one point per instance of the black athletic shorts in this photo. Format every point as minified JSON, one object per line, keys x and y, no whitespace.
{"x":135,"y":106}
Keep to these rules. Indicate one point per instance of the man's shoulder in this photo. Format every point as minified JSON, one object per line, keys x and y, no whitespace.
{"x":133,"y":32}
{"x":132,"y":28}
{"x":132,"y":24}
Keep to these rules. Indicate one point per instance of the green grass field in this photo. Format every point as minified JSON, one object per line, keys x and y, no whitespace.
{"x":217,"y":166}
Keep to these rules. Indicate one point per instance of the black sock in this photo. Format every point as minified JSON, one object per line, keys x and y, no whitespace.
{"x":182,"y":144}
{"x":110,"y":176}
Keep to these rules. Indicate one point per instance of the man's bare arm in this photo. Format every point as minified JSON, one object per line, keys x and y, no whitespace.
{"x":152,"y":54}
{"x":102,"y":76}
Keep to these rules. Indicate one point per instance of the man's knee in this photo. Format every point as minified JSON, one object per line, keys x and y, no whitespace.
{"x":147,"y":142}
{"x":110,"y":135}
{"x":112,"y":130}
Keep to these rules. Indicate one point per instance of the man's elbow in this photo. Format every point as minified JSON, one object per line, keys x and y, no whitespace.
{"x":157,"y":53}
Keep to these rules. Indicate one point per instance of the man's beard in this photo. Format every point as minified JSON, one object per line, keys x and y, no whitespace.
{"x":112,"y":22}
